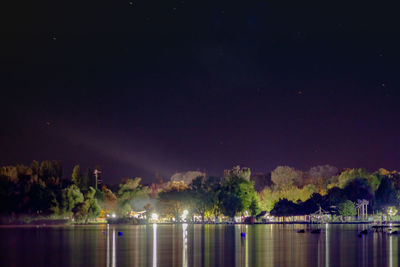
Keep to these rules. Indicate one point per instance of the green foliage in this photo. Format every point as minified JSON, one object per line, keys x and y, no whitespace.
{"x":214,"y":193}
{"x":94,"y":208}
{"x":236,"y":194}
{"x":88,"y":209}
{"x":38,"y":189}
{"x":133,"y":193}
{"x":347,"y":208}
{"x":391,"y":211}
{"x":350,"y":174}
{"x":99,"y":195}
{"x":254,"y":207}
{"x":238,"y":172}
{"x":200,"y":196}
{"x":270,"y":197}
{"x":88,"y":180}
{"x":71,"y":196}
{"x":110,"y":200}
{"x":77,"y":176}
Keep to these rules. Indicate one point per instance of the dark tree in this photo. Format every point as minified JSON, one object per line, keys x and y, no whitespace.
{"x":358,"y":189}
{"x":261,"y":180}
{"x":285,"y":207}
{"x":386,"y":195}
{"x":335,"y":196}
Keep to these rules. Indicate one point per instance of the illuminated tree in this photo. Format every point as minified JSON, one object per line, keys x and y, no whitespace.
{"x":87,"y":209}
{"x":268,"y":198}
{"x":174,"y":201}
{"x":71,"y":196}
{"x":237,"y":192}
{"x":132,"y":195}
{"x":110,"y":200}
{"x":186,"y":177}
{"x":285,"y":177}
{"x":238,"y":172}
{"x":320,"y":176}
{"x":350,"y":174}
{"x":347,"y":208}
{"x":391,"y":211}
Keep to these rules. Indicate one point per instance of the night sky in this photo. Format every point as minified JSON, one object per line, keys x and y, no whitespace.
{"x":148,"y":87}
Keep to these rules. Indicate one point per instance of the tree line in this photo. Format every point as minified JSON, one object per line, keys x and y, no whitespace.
{"x":40,"y":190}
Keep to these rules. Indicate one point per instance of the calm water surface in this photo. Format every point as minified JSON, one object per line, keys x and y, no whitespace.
{"x":195,"y":245}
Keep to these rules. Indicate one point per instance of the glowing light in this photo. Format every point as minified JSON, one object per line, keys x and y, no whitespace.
{"x":113,"y":215}
{"x":154,"y":216}
{"x":184,"y":215}
{"x":392,"y":211}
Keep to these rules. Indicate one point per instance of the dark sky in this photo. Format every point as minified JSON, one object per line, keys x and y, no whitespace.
{"x":149,"y":87}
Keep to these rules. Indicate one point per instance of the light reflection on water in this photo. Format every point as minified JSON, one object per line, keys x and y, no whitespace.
{"x":196,"y":245}
{"x":154,"y":245}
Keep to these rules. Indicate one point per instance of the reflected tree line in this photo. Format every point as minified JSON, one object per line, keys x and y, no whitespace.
{"x":41,"y":190}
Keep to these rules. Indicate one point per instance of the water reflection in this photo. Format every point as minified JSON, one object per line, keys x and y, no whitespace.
{"x":111,"y":253}
{"x":154,"y":245}
{"x":114,"y":250}
{"x":184,"y":247}
{"x":196,"y":245}
{"x":327,"y":245}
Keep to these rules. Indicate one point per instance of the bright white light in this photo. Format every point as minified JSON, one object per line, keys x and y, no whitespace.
{"x":113,"y":215}
{"x":154,"y":216}
{"x":184,"y":215}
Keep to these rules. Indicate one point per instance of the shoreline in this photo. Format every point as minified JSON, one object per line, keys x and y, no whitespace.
{"x":67,"y":223}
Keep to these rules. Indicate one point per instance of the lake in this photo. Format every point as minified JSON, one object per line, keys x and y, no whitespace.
{"x":195,"y":245}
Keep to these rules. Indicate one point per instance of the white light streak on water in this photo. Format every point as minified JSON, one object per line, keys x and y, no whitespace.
{"x":184,"y":247}
{"x":154,"y":244}
{"x":114,"y":251}
{"x":108,"y":246}
{"x":390,"y":251}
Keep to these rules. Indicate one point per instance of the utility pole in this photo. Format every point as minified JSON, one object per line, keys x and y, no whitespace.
{"x":96,"y":175}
